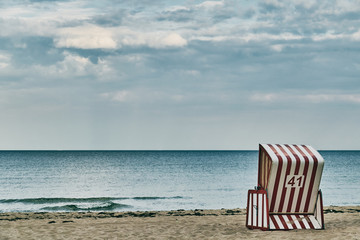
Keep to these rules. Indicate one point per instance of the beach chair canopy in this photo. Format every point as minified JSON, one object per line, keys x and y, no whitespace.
{"x":291,"y":175}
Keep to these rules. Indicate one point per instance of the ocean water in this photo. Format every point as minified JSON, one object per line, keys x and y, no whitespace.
{"x":150,"y":180}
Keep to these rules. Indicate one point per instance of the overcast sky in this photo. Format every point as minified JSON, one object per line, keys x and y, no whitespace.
{"x":162,"y":75}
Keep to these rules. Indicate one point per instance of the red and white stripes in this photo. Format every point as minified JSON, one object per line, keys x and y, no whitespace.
{"x":288,"y":195}
{"x":291,"y":175}
{"x":258,"y":212}
{"x":295,"y":221}
{"x":258,"y":216}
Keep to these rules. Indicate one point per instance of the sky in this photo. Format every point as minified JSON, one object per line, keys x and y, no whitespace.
{"x":179,"y":75}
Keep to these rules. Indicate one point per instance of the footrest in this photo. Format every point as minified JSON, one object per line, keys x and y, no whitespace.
{"x":286,"y":221}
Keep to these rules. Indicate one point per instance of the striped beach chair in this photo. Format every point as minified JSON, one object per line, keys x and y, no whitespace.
{"x":287,"y":195}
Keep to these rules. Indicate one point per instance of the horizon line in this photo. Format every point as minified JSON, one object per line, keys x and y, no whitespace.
{"x":148,"y":150}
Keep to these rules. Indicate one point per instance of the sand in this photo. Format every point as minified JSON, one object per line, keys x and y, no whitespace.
{"x":340,"y":223}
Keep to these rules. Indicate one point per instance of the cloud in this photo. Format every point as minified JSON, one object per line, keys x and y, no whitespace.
{"x":174,"y":40}
{"x":112,"y":19}
{"x":72,"y":68}
{"x":118,"y":96}
{"x":305,"y":98}
{"x":118,"y":27}
{"x":249,"y":37}
{"x":326,"y":98}
{"x":331,"y":35}
{"x":356,"y":36}
{"x":94,"y":37}
{"x":210,"y":4}
{"x":277,"y":47}
{"x":157,"y":98}
{"x":156,"y":39}
{"x":85,"y":37}
{"x":180,"y":15}
{"x":271,"y":5}
{"x":41,"y":18}
{"x":4,"y":60}
{"x":307,"y":4}
{"x":73,"y":65}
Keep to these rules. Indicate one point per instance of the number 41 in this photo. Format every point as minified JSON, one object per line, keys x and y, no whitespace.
{"x":294,"y":181}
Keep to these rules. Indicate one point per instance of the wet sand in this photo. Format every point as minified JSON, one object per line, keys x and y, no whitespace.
{"x":340,"y":223}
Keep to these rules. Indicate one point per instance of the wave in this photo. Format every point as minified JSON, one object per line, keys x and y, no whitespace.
{"x":79,"y":200}
{"x":110,"y":206}
{"x":75,"y":204}
{"x":59,"y":200}
{"x":156,"y":198}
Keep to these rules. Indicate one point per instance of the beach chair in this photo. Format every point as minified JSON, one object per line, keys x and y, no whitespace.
{"x":287,"y":195}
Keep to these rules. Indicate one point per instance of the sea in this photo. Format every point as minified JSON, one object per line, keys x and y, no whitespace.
{"x":58,"y":181}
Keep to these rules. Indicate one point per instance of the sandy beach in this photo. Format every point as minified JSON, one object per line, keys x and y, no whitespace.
{"x":340,"y":223}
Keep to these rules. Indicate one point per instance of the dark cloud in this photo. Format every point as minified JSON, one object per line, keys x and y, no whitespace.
{"x":249,"y":13}
{"x":112,"y":19}
{"x":350,"y":16}
{"x":92,"y":54}
{"x":269,"y":7}
{"x":181,"y":15}
{"x":27,"y":51}
{"x":223,"y":15}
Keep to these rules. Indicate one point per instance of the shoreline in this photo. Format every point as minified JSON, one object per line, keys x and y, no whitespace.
{"x":342,"y":222}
